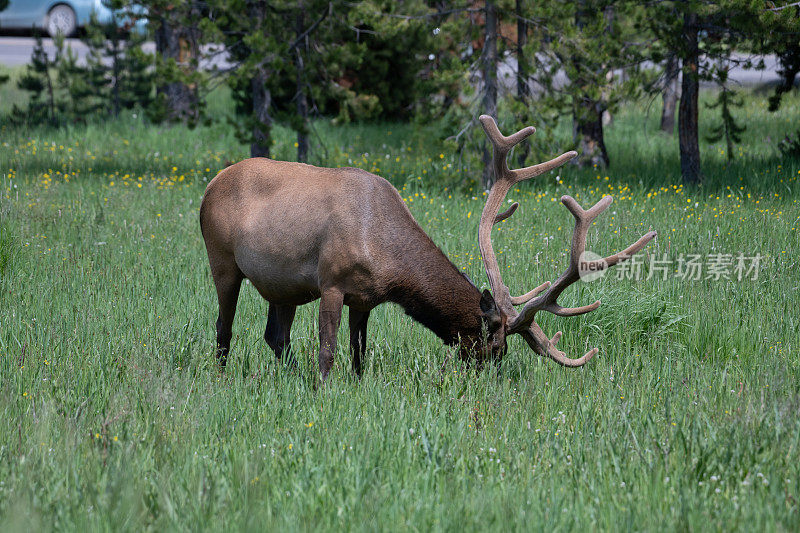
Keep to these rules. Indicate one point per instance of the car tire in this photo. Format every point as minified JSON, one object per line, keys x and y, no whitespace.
{"x":61,"y":19}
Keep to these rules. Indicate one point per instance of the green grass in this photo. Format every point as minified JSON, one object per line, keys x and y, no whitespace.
{"x":9,"y":92}
{"x":114,"y":417}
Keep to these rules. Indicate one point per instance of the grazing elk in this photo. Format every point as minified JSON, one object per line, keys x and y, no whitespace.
{"x":343,"y":235}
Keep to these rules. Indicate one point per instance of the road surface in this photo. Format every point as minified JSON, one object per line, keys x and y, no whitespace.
{"x":15,"y":51}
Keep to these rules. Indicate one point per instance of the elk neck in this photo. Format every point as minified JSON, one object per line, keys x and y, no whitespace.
{"x":435,"y":293}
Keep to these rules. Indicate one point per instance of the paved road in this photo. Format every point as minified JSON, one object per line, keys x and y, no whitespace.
{"x":738,"y":75}
{"x":16,"y":51}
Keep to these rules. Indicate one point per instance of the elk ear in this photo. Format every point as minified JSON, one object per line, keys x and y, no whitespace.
{"x":488,"y":305}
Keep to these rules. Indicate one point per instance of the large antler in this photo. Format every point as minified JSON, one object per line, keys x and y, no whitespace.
{"x":545,"y":296}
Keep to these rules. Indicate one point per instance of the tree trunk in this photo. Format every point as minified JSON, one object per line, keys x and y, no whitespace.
{"x":51,"y":101}
{"x":688,"y":110}
{"x":589,"y":132}
{"x":262,"y":126}
{"x":115,"y":68}
{"x":587,"y":112}
{"x":523,"y":90}
{"x":489,"y":85}
{"x":180,"y":45}
{"x":606,"y":118}
{"x":260,"y":95}
{"x":670,"y":94}
{"x":302,"y":104}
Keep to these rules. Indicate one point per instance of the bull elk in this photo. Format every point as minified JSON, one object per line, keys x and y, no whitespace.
{"x":345,"y":236}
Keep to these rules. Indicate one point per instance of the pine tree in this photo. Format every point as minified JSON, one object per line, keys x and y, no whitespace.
{"x":178,"y":31}
{"x":276,"y":68}
{"x":669,"y":94}
{"x":117,"y":57}
{"x":86,"y":85}
{"x":595,"y":45}
{"x":702,"y":34}
{"x":39,"y":81}
{"x":782,"y":38}
{"x":375,"y":58}
{"x":117,"y":74}
{"x":568,"y":58}
{"x":253,"y":37}
{"x":728,"y":129}
{"x":789,"y":60}
{"x":468,"y":46}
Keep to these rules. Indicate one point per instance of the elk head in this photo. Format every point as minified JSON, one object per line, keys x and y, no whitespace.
{"x":545,"y":296}
{"x":488,"y":344}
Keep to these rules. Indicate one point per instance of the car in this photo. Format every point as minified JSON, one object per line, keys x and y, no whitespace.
{"x":53,"y":16}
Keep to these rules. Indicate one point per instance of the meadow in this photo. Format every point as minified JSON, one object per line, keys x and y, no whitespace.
{"x":113,"y":415}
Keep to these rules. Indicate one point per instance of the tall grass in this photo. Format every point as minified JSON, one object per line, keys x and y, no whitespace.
{"x":113,"y":415}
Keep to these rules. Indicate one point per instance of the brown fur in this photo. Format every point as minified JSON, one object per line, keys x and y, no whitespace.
{"x":300,"y":232}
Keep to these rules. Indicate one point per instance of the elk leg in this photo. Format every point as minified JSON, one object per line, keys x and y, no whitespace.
{"x":228,"y":285}
{"x":358,"y":338}
{"x":277,"y":334}
{"x":330,"y":313}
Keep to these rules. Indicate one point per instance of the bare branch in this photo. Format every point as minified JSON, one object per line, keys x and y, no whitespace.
{"x":311,"y":28}
{"x":781,"y":8}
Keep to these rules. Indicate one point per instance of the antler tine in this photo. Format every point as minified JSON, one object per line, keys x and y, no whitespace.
{"x":518,"y":300}
{"x":626,"y":254}
{"x":504,"y":180}
{"x":502,"y":144}
{"x":507,"y":213}
{"x":549,"y":300}
{"x":545,"y":347}
{"x":526,"y":173}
